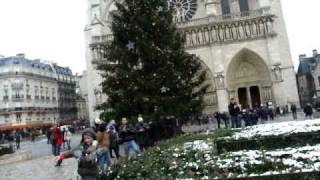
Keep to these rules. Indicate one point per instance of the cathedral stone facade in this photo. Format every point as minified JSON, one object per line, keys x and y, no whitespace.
{"x":243,"y":45}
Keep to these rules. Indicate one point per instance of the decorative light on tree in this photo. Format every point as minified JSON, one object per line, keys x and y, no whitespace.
{"x":130,"y":46}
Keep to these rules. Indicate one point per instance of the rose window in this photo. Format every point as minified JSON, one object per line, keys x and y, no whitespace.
{"x":184,"y":9}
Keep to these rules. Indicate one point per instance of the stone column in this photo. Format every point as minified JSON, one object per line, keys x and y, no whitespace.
{"x":222,"y":93}
{"x":213,"y":7}
{"x":249,"y":97}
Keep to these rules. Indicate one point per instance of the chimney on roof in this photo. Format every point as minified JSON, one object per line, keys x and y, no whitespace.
{"x":314,"y":53}
{"x":301,"y":57}
{"x":21,"y":55}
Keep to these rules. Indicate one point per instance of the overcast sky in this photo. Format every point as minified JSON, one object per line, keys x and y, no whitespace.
{"x":53,"y":29}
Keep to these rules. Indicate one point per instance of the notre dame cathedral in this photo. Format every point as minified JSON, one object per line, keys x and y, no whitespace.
{"x":243,"y":45}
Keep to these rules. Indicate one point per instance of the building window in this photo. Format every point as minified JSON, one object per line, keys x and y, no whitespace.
{"x":28,"y":93}
{"x":53,"y":94}
{"x":17,"y":88}
{"x":41,"y":92}
{"x":16,"y":94}
{"x":244,"y":6}
{"x":225,"y":6}
{"x":6,"y":118}
{"x":36,"y":92}
{"x":5,"y":92}
{"x":18,"y":117}
{"x":47,"y":93}
{"x":319,"y":79}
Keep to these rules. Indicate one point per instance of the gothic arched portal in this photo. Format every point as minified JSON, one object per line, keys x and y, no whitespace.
{"x":249,"y":79}
{"x":210,"y":98}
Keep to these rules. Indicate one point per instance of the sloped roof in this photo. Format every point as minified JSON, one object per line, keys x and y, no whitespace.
{"x":35,"y":64}
{"x":25,"y":62}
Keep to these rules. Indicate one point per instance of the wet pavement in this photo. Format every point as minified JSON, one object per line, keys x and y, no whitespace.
{"x":42,"y":164}
{"x":40,"y":169}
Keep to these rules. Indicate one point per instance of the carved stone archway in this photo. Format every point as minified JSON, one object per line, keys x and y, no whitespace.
{"x":249,"y":79}
{"x":210,"y":98}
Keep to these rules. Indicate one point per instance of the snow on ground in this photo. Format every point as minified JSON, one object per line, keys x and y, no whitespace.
{"x":275,"y":129}
{"x":287,"y":160}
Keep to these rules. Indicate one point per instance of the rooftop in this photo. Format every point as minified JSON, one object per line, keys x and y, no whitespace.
{"x":36,"y":63}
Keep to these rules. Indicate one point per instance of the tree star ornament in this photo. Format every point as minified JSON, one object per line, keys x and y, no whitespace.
{"x":130,"y":46}
{"x":164,"y":89}
{"x":160,"y":9}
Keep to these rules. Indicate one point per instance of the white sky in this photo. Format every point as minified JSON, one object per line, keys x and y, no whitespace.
{"x":53,"y":29}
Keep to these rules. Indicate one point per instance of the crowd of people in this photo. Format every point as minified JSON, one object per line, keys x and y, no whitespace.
{"x":238,"y":116}
{"x":100,"y":144}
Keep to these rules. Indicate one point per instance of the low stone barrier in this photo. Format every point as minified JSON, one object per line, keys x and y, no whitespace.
{"x":292,"y":176}
{"x":16,"y":157}
{"x":268,"y":142}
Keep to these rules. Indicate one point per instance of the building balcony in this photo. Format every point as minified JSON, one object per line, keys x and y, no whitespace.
{"x":248,"y":28}
{"x":17,"y":98}
{"x":240,"y":16}
{"x":102,"y":39}
{"x":5,"y":98}
{"x":242,"y":26}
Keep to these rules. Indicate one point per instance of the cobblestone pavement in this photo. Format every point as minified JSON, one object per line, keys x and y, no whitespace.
{"x":40,"y":169}
{"x":40,"y":147}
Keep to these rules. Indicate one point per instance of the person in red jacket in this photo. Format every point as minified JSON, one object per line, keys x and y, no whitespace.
{"x":56,"y":140}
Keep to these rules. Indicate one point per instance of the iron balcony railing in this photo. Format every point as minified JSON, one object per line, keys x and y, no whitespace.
{"x":225,"y":18}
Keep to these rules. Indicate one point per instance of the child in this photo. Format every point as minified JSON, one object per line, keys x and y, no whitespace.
{"x":86,"y":152}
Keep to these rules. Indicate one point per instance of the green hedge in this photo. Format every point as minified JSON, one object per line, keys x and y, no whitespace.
{"x":268,"y":142}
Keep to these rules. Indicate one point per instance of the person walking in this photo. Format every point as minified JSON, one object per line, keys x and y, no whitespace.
{"x":18,"y":139}
{"x":142,"y":135}
{"x":103,"y":155}
{"x":48,"y":136}
{"x":56,"y":140}
{"x":67,"y":138}
{"x":86,"y":152}
{"x":127,"y":135}
{"x":217,"y":116}
{"x":234,"y":111}
{"x":114,"y":141}
{"x":293,"y":109}
{"x":308,"y":111}
{"x":33,"y":136}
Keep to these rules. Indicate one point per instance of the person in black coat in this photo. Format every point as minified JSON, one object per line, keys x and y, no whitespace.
{"x":234,"y":112}
{"x":217,"y":116}
{"x":142,"y":135}
{"x":308,"y":111}
{"x":293,"y":109}
{"x":127,"y":135}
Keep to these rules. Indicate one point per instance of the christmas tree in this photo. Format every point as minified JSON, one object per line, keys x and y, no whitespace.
{"x":148,"y":71}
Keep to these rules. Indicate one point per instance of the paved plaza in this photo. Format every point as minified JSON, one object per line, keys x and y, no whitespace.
{"x":42,"y":164}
